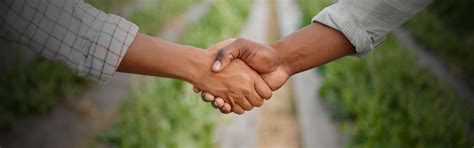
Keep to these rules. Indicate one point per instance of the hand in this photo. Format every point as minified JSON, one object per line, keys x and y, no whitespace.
{"x":239,"y":85}
{"x":264,"y":59}
{"x":309,"y":47}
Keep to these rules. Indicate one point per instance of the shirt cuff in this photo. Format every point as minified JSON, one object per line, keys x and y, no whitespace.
{"x":337,"y":16}
{"x":115,"y":39}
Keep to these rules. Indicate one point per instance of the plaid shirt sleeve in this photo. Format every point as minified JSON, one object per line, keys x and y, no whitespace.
{"x":86,"y":39}
{"x":366,"y":23}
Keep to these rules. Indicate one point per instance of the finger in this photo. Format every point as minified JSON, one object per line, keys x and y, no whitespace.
{"x":263,"y":89}
{"x":225,"y":55}
{"x":220,"y":45}
{"x":244,"y":104}
{"x":255,"y":99}
{"x":218,"y":103}
{"x":207,"y":97}
{"x":196,"y":90}
{"x":226,"y":109}
{"x":238,"y":110}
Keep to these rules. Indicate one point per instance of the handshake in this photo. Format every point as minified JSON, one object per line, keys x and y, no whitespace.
{"x":244,"y":74}
{"x":237,"y":75}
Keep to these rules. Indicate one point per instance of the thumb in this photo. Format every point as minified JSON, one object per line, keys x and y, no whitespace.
{"x":225,"y":56}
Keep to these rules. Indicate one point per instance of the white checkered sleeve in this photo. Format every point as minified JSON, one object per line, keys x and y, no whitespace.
{"x":88,"y":40}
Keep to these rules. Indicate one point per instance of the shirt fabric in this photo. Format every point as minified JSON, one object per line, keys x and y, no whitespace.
{"x":366,"y":23}
{"x":88,"y":40}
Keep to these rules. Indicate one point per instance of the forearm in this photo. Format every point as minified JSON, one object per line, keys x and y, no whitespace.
{"x":367,"y":23}
{"x":312,"y":46}
{"x":156,"y":57}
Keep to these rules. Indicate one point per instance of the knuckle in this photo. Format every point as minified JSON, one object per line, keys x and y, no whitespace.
{"x":240,"y":112}
{"x":240,"y":40}
{"x":248,"y":108}
{"x":246,"y":92}
{"x":251,"y":108}
{"x":259,"y":103}
{"x":268,"y":95}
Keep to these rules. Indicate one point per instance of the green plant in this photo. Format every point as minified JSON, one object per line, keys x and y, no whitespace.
{"x":162,"y":113}
{"x":35,"y":88}
{"x":109,"y":5}
{"x":151,"y":18}
{"x":310,"y":8}
{"x":224,"y":20}
{"x":456,"y":14}
{"x":452,"y":44}
{"x":392,"y":103}
{"x":385,"y":100}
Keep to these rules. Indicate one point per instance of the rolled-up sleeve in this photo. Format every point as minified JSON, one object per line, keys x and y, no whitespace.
{"x":86,"y":39}
{"x":366,"y":23}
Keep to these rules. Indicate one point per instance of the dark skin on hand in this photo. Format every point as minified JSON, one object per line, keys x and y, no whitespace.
{"x":311,"y":46}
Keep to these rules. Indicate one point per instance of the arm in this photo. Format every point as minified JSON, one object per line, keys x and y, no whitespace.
{"x":348,"y":27}
{"x":239,"y":84}
{"x":309,"y":47}
{"x":157,"y":57}
{"x":95,"y":43}
{"x":86,"y":39}
{"x":366,"y":23}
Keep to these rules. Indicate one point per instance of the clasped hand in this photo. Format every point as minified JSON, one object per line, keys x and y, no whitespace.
{"x":237,"y":75}
{"x":244,"y":74}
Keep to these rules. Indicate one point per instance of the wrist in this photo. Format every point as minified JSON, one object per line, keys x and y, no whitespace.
{"x":175,"y":60}
{"x":197,"y":63}
{"x":283,"y":62}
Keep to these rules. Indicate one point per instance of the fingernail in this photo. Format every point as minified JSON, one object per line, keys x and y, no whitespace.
{"x":216,"y":66}
{"x":208,"y":97}
{"x":215,"y":104}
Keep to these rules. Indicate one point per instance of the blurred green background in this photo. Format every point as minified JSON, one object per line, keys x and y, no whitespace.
{"x":385,"y":100}
{"x":382,"y":100}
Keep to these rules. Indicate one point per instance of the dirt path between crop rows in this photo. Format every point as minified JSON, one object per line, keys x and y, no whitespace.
{"x":275,"y":124}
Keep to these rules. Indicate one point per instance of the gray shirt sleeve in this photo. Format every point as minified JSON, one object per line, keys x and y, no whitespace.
{"x":366,"y":23}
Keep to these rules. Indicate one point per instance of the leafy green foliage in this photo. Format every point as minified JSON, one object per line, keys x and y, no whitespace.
{"x":310,"y":8}
{"x":224,"y":20}
{"x":392,"y":103}
{"x":150,"y":19}
{"x":457,"y":14}
{"x":35,"y":88}
{"x":454,"y":44}
{"x":385,"y":100}
{"x":109,"y":5}
{"x":162,"y":113}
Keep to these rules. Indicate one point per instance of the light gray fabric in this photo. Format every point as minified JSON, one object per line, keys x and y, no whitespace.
{"x":366,"y":23}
